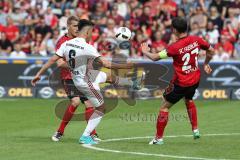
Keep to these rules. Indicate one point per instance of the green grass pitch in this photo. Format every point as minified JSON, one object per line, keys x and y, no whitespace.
{"x":27,"y":125}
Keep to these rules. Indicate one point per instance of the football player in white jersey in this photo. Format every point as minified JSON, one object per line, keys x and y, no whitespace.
{"x":81,"y":57}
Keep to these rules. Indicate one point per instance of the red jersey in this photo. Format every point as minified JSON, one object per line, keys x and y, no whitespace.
{"x":185,"y":60}
{"x":65,"y":73}
{"x":11,"y":32}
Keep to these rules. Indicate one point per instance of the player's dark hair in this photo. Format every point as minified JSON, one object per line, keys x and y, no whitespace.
{"x":180,"y":24}
{"x":84,"y":23}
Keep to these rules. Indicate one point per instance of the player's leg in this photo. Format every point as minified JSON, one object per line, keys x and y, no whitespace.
{"x":89,"y":109}
{"x":171,"y":95}
{"x":162,"y":121}
{"x":93,"y":122}
{"x":120,"y":81}
{"x":192,"y":114}
{"x":192,"y":110}
{"x":92,"y":92}
{"x":74,"y":103}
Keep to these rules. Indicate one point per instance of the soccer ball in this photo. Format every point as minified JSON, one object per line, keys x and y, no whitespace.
{"x":123,"y":34}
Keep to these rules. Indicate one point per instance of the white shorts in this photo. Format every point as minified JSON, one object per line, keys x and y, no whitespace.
{"x":89,"y":86}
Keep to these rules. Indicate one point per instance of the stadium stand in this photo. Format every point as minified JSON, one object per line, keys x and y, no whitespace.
{"x":35,"y":25}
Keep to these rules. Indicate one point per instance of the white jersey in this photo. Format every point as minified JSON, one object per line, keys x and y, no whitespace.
{"x":79,"y":56}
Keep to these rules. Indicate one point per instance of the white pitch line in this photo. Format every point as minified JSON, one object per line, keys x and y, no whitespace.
{"x":173,"y":136}
{"x":146,"y":154}
{"x":155,"y":155}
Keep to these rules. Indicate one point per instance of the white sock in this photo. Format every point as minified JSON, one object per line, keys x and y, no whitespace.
{"x":123,"y":81}
{"x":195,"y":130}
{"x":93,"y":122}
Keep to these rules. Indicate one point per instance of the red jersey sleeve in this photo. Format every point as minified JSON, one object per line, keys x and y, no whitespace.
{"x":203,"y":44}
{"x":58,"y":44}
{"x":171,"y":51}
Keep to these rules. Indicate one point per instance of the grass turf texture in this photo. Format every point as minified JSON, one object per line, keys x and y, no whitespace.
{"x":27,"y":125}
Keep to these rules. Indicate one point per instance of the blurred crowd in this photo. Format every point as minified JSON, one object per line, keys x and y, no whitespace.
{"x":32,"y":27}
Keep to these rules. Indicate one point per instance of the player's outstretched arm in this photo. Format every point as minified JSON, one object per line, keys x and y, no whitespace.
{"x":209,"y":54}
{"x":153,"y":56}
{"x":51,"y":61}
{"x":108,"y":64}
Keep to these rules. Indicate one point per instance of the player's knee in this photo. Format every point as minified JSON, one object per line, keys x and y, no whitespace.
{"x":88,"y":104}
{"x":166,"y":105}
{"x":187,"y":101}
{"x":110,"y":79}
{"x":101,"y":108}
{"x":164,"y":109}
{"x":75,"y":101}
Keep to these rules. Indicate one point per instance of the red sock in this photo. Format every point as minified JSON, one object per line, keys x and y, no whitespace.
{"x":88,"y":112}
{"x":161,"y":123}
{"x":66,"y":118}
{"x":192,"y":114}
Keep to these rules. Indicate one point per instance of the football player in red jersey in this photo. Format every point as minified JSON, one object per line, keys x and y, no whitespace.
{"x":71,"y":91}
{"x":186,"y":74}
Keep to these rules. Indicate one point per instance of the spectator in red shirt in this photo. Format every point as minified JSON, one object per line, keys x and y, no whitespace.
{"x":11,"y":30}
{"x":83,"y":4}
{"x":226,"y":45}
{"x":158,"y":44}
{"x":229,"y":32}
{"x":170,"y":6}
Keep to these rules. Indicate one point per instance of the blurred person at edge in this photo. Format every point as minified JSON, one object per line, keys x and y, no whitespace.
{"x":11,"y":30}
{"x":17,"y":53}
{"x":237,"y":47}
{"x":63,"y":22}
{"x":6,"y":45}
{"x":226,"y":45}
{"x":229,"y":32}
{"x":40,"y":5}
{"x":232,"y":17}
{"x":3,"y":17}
{"x":215,"y":17}
{"x":43,"y":29}
{"x":51,"y":19}
{"x":38,"y":46}
{"x":212,"y":34}
{"x":158,"y":44}
{"x":199,"y":17}
{"x":51,"y":43}
{"x":221,"y":55}
{"x":111,"y":28}
{"x":18,"y":16}
{"x":196,"y":30}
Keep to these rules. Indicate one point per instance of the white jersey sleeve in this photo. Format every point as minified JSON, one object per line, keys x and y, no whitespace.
{"x":60,"y":51}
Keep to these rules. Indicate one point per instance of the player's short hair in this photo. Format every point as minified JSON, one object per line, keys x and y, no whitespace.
{"x":72,"y":18}
{"x":84,"y":23}
{"x":180,"y":24}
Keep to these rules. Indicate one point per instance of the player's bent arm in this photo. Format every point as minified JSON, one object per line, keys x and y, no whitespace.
{"x":157,"y":56}
{"x":50,"y":62}
{"x":61,"y":63}
{"x":108,"y":64}
{"x":153,"y":56}
{"x":209,"y":54}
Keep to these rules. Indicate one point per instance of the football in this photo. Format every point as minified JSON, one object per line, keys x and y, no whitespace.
{"x":123,"y":34}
